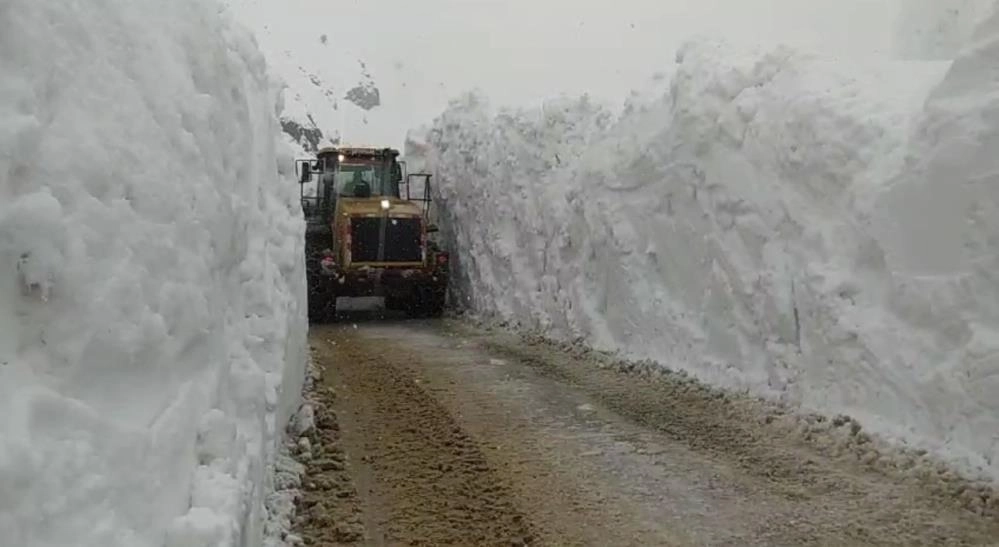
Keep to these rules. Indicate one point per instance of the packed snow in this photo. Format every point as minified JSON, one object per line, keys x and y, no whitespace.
{"x":152,"y":327}
{"x":815,"y":231}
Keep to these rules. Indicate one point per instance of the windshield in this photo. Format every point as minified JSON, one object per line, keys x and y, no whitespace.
{"x":368,"y":179}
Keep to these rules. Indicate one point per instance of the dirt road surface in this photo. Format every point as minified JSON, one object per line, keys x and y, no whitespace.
{"x":441,"y":434}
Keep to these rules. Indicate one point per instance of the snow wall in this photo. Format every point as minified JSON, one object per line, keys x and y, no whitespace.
{"x":816,"y":232}
{"x":152,"y":327}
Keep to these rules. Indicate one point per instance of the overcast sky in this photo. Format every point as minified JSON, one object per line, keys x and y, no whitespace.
{"x":521,"y":51}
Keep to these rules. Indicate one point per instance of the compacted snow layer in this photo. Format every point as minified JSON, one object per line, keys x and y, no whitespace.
{"x":813,"y":232}
{"x":152,"y":338}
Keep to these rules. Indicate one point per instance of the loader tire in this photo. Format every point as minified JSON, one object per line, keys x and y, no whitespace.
{"x":322,"y":305}
{"x":395,"y":303}
{"x":315,"y":310}
{"x":425,"y":302}
{"x":435,"y":303}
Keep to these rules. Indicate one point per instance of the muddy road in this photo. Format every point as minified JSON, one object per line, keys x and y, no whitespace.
{"x":437,"y":433}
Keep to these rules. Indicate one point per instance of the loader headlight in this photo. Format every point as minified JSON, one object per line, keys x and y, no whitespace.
{"x":386,"y":204}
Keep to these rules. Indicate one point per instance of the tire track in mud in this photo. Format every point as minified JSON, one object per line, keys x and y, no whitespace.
{"x":416,"y":478}
{"x":847,"y":491}
{"x":453,"y":435}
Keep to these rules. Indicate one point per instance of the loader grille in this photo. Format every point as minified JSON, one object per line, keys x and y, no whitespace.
{"x":402,"y":242}
{"x":364,"y":235}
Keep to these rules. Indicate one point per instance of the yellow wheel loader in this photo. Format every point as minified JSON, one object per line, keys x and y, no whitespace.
{"x":364,"y":238}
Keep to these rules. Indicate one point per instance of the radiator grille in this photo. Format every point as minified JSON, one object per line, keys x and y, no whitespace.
{"x":402,"y":240}
{"x":401,"y":243}
{"x":364,"y":239}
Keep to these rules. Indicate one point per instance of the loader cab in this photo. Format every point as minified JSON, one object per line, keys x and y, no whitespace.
{"x":364,"y":177}
{"x":348,"y":173}
{"x":363,"y":238}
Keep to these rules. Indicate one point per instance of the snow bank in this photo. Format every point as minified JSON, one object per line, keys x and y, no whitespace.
{"x":152,"y":333}
{"x":738,"y":228}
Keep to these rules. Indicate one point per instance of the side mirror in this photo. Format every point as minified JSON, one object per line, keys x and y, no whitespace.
{"x":397,"y":169}
{"x":306,"y":172}
{"x":432,"y":228}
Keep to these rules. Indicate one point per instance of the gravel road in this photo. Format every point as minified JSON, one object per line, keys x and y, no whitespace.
{"x":438,"y":433}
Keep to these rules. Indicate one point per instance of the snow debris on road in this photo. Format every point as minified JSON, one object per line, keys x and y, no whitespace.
{"x":152,"y":326}
{"x":289,"y":469}
{"x":816,"y":232}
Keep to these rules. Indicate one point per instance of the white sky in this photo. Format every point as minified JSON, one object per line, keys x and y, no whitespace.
{"x":521,"y":51}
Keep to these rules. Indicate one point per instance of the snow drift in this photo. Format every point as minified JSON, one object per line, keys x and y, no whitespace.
{"x":815,"y":232}
{"x":152,"y":333}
